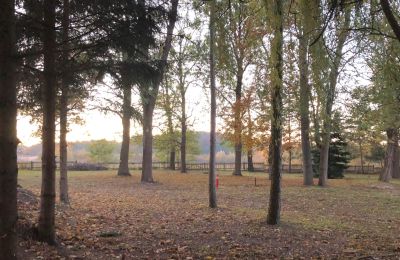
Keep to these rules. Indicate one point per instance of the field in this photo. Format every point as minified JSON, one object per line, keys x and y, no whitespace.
{"x":119,"y":218}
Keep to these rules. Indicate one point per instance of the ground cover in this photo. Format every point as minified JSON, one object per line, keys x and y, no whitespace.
{"x":119,"y":218}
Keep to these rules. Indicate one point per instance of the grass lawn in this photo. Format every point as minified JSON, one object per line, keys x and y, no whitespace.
{"x":119,"y":218}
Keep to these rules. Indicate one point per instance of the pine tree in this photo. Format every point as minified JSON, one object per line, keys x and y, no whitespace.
{"x":338,"y":156}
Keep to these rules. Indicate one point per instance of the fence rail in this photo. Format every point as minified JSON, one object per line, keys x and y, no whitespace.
{"x":258,"y":167}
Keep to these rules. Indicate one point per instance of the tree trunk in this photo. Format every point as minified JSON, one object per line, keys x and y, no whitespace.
{"x":238,"y":122}
{"x":63,"y":143}
{"x":147,"y":162}
{"x":361,"y":157}
{"x":391,"y":18}
{"x":168,"y":113}
{"x":182,"y":91}
{"x":276,"y":64}
{"x":8,"y":132}
{"x":149,"y":97}
{"x":183,"y":147}
{"x":123,"y":169}
{"x":304,"y":109}
{"x":172,"y":155}
{"x":250,"y":165}
{"x":330,"y":96}
{"x":46,"y":229}
{"x":391,"y":168}
{"x":64,"y":108}
{"x":183,"y":130}
{"x":211,"y":174}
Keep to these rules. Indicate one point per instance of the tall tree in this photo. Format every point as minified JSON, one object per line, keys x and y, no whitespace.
{"x":239,"y":36}
{"x":276,"y":75}
{"x":330,"y":93}
{"x":8,"y":132}
{"x":304,"y":41}
{"x":212,"y":193}
{"x":148,"y":95}
{"x":64,"y":106}
{"x":46,"y":227}
{"x":123,"y":169}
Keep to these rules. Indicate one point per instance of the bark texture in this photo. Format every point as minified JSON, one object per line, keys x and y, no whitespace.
{"x":250,"y":165}
{"x":64,"y":197}
{"x":238,"y":120}
{"x":330,"y":96}
{"x":149,"y":97}
{"x":391,"y":168}
{"x":391,"y":18}
{"x":8,"y":132}
{"x":46,"y":230}
{"x":123,"y":169}
{"x":304,"y":100}
{"x":147,"y":162}
{"x":212,"y":176}
{"x":183,"y":134}
{"x":273,"y":217}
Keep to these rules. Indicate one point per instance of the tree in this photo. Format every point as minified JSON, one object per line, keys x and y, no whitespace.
{"x":101,"y":151}
{"x":328,"y":100}
{"x":126,"y":58}
{"x":167,"y":101}
{"x":385,"y":95}
{"x":148,"y":95}
{"x":391,"y":18}
{"x":304,"y":41}
{"x":212,"y":193}
{"x":64,"y":107}
{"x":8,"y":132}
{"x":46,"y":227}
{"x":239,"y":36}
{"x":276,"y":75}
{"x":339,"y":155}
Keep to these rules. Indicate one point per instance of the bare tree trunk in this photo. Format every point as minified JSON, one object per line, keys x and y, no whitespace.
{"x":273,"y":217}
{"x":147,"y":162}
{"x":172,"y":156}
{"x":172,"y":152}
{"x":391,"y":18}
{"x":123,"y":169}
{"x":182,"y":91}
{"x":391,"y":168}
{"x":396,"y":163}
{"x":64,"y":108}
{"x":46,"y":227}
{"x":149,"y":97}
{"x":361,"y":157}
{"x":304,"y":109}
{"x":238,"y":122}
{"x":330,"y":96}
{"x":250,"y":165}
{"x":8,"y":132}
{"x":183,"y":146}
{"x":212,"y":174}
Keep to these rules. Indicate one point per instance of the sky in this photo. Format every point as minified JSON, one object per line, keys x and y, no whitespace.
{"x":98,"y":125}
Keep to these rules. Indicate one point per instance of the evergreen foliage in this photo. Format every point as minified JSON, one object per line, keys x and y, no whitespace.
{"x":339,"y":157}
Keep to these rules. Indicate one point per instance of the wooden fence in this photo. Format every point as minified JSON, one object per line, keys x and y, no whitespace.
{"x":258,"y":167}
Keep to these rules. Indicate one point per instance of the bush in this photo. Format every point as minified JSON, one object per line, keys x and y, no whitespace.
{"x":86,"y":167}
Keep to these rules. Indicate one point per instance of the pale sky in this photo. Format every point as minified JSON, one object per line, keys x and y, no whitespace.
{"x":99,"y":125}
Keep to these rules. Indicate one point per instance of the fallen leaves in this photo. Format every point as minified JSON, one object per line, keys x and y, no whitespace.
{"x":119,"y":218}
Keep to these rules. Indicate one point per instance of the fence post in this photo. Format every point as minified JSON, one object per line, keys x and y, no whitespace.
{"x":31,"y":165}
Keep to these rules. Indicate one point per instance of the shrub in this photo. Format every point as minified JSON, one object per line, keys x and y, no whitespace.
{"x":86,"y":167}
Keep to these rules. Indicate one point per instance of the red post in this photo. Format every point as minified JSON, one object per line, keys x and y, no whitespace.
{"x":216,"y":182}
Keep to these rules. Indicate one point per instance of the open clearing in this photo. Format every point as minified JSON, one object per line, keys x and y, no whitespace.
{"x":119,"y":218}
